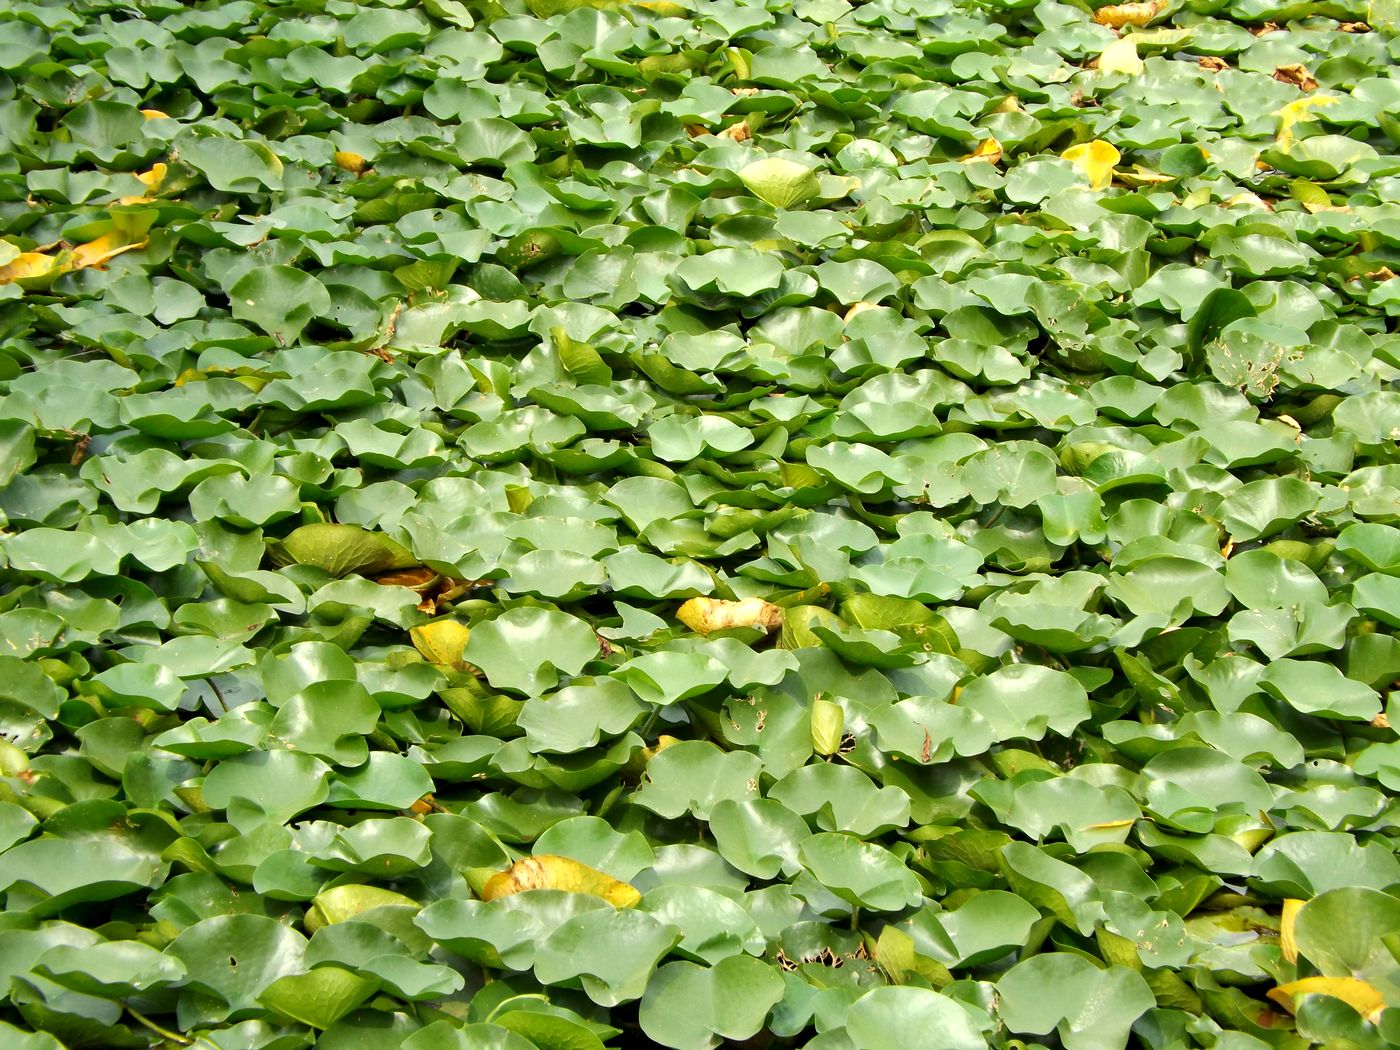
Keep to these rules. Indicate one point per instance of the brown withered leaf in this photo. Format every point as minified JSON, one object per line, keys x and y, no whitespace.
{"x":1297,"y":75}
{"x":418,"y":578}
{"x":549,"y":872}
{"x":1212,"y":63}
{"x":737,"y":132}
{"x":704,"y":615}
{"x":1116,"y":16}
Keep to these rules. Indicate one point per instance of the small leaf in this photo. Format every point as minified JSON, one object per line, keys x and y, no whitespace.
{"x":1288,"y":945}
{"x":828,"y":724}
{"x":781,"y":183}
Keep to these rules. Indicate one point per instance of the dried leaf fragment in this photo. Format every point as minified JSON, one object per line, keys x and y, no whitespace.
{"x":1297,"y":75}
{"x":416,"y":578}
{"x":704,"y":615}
{"x":1116,"y":16}
{"x":548,"y":872}
{"x":737,"y":132}
{"x":1360,"y":995}
{"x":1212,"y":63}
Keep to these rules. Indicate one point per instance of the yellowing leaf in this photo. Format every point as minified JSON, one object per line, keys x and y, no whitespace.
{"x":27,"y":266}
{"x":703,"y":615}
{"x":153,"y":178}
{"x":1095,"y":160}
{"x":1296,"y":112}
{"x":97,"y":252}
{"x":154,"y":114}
{"x":341,"y":903}
{"x":1286,"y":942}
{"x":1116,"y":16}
{"x":1140,"y":176}
{"x":558,"y":873}
{"x":1121,"y":56}
{"x":441,"y":642}
{"x":828,"y":725}
{"x":351,"y":162}
{"x":989,"y":149}
{"x":1356,"y":993}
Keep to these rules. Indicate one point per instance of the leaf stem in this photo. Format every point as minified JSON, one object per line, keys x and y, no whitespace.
{"x":164,"y":1033}
{"x":609,"y":800}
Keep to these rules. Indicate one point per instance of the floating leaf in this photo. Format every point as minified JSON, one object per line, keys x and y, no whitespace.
{"x":1096,"y":160}
{"x":318,"y":998}
{"x":781,"y":183}
{"x":1357,"y":994}
{"x":705,"y":615}
{"x":441,"y":642}
{"x":558,"y":873}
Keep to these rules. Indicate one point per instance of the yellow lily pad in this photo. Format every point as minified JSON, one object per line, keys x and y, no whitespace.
{"x":441,"y":642}
{"x":549,"y":872}
{"x":705,"y":615}
{"x":1360,"y":995}
{"x":1095,"y":160}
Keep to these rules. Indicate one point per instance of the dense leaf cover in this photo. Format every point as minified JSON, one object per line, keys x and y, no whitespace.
{"x":563,"y":523}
